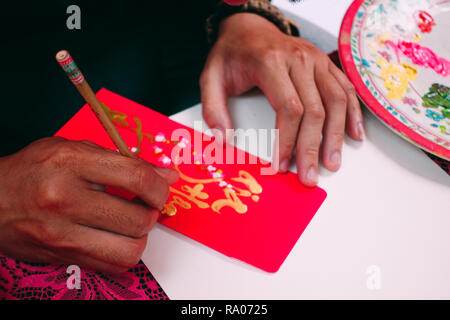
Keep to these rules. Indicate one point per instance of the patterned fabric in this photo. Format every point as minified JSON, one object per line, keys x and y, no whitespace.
{"x":26,"y":281}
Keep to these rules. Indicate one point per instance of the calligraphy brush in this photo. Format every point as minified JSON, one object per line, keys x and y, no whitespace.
{"x":65,"y":60}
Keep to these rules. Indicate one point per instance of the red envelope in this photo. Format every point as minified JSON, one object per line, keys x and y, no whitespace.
{"x":231,"y":208}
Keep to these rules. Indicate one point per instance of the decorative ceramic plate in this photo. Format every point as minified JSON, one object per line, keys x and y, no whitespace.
{"x":397,"y":54}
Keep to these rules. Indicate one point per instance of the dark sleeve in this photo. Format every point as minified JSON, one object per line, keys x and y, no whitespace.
{"x":148,"y":51}
{"x":36,"y":99}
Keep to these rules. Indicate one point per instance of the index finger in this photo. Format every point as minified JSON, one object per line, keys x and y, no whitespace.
{"x":282,"y":95}
{"x":310,"y":134}
{"x":133,"y":175}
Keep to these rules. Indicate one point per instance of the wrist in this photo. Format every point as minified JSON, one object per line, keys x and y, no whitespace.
{"x":262,"y":8}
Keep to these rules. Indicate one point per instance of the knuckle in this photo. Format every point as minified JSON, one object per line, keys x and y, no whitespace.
{"x":354,"y":109}
{"x":349,"y":88}
{"x":294,"y":108}
{"x":322,"y":57}
{"x":337,"y":136}
{"x":141,"y":178}
{"x":311,"y":152}
{"x":49,"y":195}
{"x":42,"y":233}
{"x":53,"y":239}
{"x":90,"y":143}
{"x":339,"y":98}
{"x":110,"y":164}
{"x":64,"y":155}
{"x":287,"y":147}
{"x":316,"y":111}
{"x":301,"y":55}
{"x":48,"y":140}
{"x":65,"y":150}
{"x":272,"y":56}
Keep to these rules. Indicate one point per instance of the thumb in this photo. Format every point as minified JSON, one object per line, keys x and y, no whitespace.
{"x":214,"y":100}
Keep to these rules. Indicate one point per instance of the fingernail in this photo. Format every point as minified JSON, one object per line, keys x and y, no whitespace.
{"x":361,"y":131}
{"x":311,"y":175}
{"x":284,"y":165}
{"x":336,"y":158}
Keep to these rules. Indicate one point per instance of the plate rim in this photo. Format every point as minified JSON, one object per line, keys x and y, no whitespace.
{"x":349,"y":67}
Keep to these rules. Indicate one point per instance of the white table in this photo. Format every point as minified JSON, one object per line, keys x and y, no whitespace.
{"x":382,"y":232}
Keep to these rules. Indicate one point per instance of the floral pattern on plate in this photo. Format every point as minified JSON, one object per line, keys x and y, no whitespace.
{"x":397,"y":55}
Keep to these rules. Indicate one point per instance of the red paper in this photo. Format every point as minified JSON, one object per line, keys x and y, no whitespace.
{"x":239,"y":212}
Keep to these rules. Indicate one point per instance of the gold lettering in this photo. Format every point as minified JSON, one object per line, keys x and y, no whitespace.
{"x":232,"y":200}
{"x":193,"y":194}
{"x":247,"y":179}
{"x":170,"y":209}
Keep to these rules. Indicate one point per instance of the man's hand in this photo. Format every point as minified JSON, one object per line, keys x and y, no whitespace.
{"x":54,"y":209}
{"x":310,"y":95}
